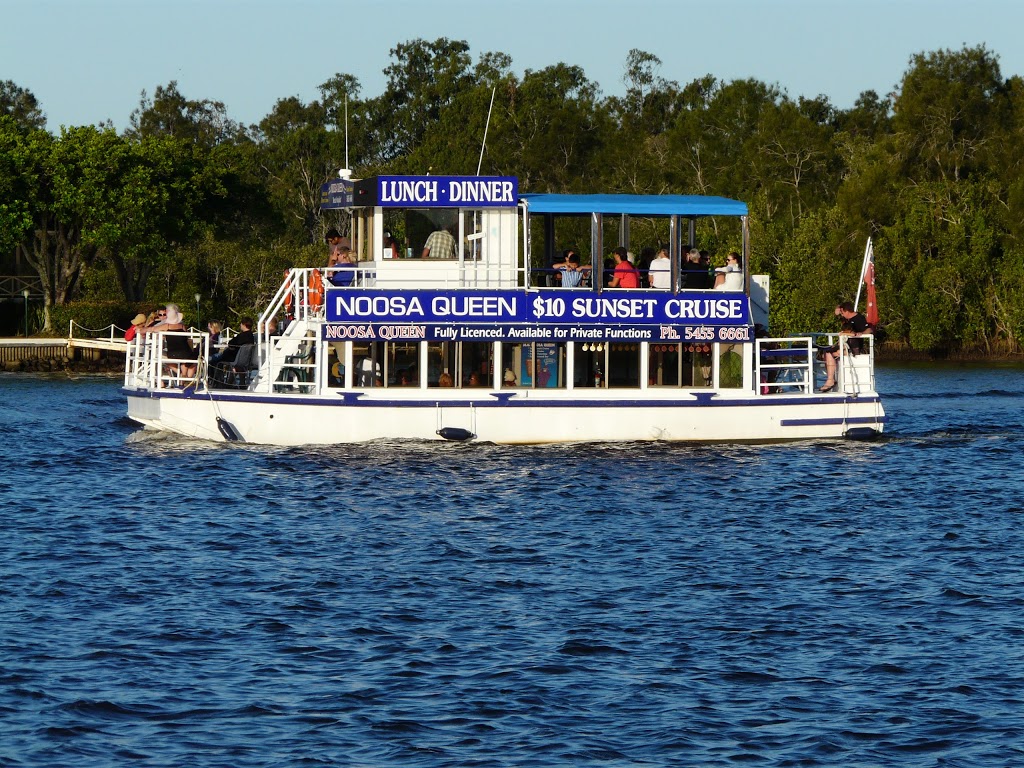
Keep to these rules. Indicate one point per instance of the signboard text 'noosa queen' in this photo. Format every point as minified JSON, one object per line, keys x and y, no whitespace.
{"x":447,"y":191}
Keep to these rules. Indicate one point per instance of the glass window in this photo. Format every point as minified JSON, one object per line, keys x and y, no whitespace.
{"x":367,"y":364}
{"x":539,"y":366}
{"x":624,"y":365}
{"x":441,"y":363}
{"x":403,"y":363}
{"x":336,"y":364}
{"x":433,"y":232}
{"x":730,"y":366}
{"x":476,"y":369}
{"x":679,"y":365}
{"x":589,"y":365}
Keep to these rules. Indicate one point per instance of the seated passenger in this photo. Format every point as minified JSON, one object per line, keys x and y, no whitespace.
{"x":853,"y":325}
{"x":659,"y":272}
{"x":335,"y":242}
{"x":137,"y":322}
{"x":343,"y":274}
{"x":178,"y":347}
{"x":391,"y":245}
{"x":572,"y":273}
{"x":695,"y":271}
{"x":730,"y":277}
{"x":244,"y":336}
{"x":624,"y":275}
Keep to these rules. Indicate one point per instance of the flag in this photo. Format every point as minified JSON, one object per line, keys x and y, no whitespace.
{"x":871,"y":313}
{"x":867,"y":275}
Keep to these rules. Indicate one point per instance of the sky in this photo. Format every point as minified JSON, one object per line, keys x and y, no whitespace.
{"x":88,"y":61}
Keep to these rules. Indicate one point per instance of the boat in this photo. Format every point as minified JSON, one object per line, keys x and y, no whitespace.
{"x":451,"y":324}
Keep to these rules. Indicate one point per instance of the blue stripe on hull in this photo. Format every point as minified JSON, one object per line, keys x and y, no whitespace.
{"x":508,"y":400}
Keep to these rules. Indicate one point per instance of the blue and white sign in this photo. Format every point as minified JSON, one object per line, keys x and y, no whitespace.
{"x":512,"y":306}
{"x":447,"y":191}
{"x":336,"y":194}
{"x":510,"y":315}
{"x":682,"y":334}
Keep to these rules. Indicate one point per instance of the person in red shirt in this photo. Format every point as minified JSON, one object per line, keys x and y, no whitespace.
{"x":625,"y":274}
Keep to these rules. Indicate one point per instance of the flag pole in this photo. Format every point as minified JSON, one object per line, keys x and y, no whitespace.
{"x":868,"y":253}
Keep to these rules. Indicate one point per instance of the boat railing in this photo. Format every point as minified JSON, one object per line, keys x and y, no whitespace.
{"x":784,"y":365}
{"x":855,"y":368}
{"x":148,"y":365}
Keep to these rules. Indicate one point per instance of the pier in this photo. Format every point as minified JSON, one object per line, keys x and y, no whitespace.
{"x":58,"y":354}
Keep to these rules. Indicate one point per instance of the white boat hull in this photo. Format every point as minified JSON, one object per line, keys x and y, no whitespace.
{"x":507,"y":419}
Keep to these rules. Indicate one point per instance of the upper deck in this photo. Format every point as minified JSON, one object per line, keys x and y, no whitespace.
{"x":480,"y":232}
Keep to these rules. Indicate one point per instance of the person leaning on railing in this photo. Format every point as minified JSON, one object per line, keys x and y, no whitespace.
{"x":854,"y":324}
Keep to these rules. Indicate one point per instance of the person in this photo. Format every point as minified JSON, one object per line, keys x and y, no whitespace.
{"x":659,"y":273}
{"x":213,"y":327}
{"x":647,"y":257}
{"x":390,"y":244}
{"x":343,"y":273}
{"x":475,"y":380}
{"x":608,"y":271}
{"x":730,"y":277}
{"x":445,"y":380}
{"x":695,"y":271}
{"x":273,"y":329}
{"x":440,"y":245}
{"x":625,"y":274}
{"x":572,"y":274}
{"x":854,"y":324}
{"x":178,"y":347}
{"x":155,"y":317}
{"x":368,"y":373}
{"x":137,"y":322}
{"x":244,"y":336}
{"x":335,"y":242}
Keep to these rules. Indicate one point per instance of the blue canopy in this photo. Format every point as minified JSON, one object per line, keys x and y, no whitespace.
{"x":636,"y":205}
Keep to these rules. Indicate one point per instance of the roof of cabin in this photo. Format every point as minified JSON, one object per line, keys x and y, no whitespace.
{"x":649,"y":205}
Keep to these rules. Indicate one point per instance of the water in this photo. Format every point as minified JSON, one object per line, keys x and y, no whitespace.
{"x":168,"y":602}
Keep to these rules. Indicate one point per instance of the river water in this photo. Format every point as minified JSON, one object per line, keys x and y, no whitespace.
{"x":168,"y":602}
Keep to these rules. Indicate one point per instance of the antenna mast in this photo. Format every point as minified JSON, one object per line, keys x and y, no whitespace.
{"x":486,"y":126}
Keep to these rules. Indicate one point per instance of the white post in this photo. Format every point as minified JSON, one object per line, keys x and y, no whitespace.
{"x":868,"y":252}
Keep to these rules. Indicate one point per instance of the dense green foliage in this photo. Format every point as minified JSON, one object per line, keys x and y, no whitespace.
{"x":187,"y":201}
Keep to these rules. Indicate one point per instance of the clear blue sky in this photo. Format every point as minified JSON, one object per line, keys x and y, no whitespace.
{"x":88,"y":60}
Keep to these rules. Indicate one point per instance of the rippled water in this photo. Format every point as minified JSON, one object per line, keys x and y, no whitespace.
{"x":170,"y":602}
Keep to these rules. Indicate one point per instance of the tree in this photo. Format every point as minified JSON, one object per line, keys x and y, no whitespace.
{"x":20,"y":104}
{"x":424,"y":79}
{"x":169,"y":113}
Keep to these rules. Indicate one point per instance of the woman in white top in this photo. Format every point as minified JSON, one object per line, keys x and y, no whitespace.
{"x":730,"y":277}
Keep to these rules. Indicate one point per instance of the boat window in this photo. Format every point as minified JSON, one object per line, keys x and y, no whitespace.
{"x":589,"y":365}
{"x":607,"y":365}
{"x":336,"y":364}
{"x":441,"y":363}
{"x":402,"y":363}
{"x":399,"y":245}
{"x":730,"y":366}
{"x":534,"y":365}
{"x":679,"y":365}
{"x":367,"y":364}
{"x":467,"y":364}
{"x":433,"y":232}
{"x":473,"y":233}
{"x":476,"y":367}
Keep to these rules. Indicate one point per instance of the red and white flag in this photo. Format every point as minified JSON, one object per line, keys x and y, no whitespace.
{"x":867,"y":274}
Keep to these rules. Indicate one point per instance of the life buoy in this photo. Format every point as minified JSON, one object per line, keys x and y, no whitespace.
{"x":316,"y":290}
{"x":288,"y":291}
